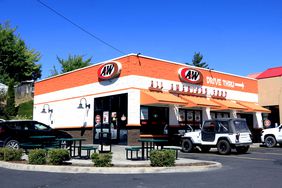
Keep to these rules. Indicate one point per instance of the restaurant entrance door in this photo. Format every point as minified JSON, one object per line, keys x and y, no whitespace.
{"x":110,"y":115}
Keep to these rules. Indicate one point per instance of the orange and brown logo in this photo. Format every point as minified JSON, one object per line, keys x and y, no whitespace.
{"x":109,"y":70}
{"x":190,"y":75}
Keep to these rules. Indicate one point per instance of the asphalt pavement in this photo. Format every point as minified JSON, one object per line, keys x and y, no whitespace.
{"x":259,"y":168}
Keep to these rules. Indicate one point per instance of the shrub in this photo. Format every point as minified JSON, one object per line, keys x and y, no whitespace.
{"x":162,"y":158}
{"x":57,"y":156}
{"x":2,"y":154}
{"x":8,"y":154}
{"x":102,"y":159}
{"x":25,"y":110}
{"x":21,"y":117}
{"x":10,"y":109}
{"x":37,"y":156}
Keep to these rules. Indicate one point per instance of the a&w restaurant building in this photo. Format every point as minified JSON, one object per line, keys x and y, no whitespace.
{"x":138,"y":96}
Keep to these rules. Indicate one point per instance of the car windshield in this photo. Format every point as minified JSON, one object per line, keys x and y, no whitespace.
{"x":241,"y":126}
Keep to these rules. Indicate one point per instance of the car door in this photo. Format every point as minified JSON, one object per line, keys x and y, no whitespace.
{"x":41,"y":129}
{"x":279,"y":137}
{"x":208,"y":131}
{"x":16,"y":132}
{"x":26,"y":130}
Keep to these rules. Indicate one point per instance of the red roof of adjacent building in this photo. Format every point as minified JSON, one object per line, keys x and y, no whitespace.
{"x":271,"y":72}
{"x":254,"y":75}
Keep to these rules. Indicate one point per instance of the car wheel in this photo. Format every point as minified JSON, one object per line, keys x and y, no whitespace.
{"x":205,"y":149}
{"x":270,"y":141}
{"x":242,"y":149}
{"x":223,"y":147}
{"x":13,"y":144}
{"x":187,"y":146}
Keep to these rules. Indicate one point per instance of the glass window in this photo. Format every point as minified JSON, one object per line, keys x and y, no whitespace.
{"x":181,"y":116}
{"x":219,"y":115}
{"x":14,"y":126}
{"x":157,"y":120}
{"x":241,"y":126}
{"x":212,"y":115}
{"x":223,"y":127}
{"x":209,"y":127}
{"x":110,"y":114}
{"x":144,"y":113}
{"x":226,"y":115}
{"x":191,"y":118}
{"x":197,"y":116}
{"x":39,"y":126}
{"x":215,"y":115}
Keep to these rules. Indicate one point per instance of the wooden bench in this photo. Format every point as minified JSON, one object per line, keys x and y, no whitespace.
{"x":174,"y":148}
{"x":132,"y":149}
{"x":88,"y":149}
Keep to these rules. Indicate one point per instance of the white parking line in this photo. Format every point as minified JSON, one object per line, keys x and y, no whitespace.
{"x":280,"y":154}
{"x":239,"y":157}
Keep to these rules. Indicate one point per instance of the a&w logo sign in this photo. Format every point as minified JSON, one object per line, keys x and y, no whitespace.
{"x":109,"y":70}
{"x":192,"y":76}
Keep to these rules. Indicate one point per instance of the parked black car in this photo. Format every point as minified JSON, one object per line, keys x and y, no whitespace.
{"x":14,"y":132}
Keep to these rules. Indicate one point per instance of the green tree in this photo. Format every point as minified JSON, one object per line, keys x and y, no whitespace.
{"x":10,"y":109}
{"x":2,"y":101}
{"x":197,"y":61}
{"x":72,"y":63}
{"x":17,"y":61}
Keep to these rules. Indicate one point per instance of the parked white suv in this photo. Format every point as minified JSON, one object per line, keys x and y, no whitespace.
{"x":223,"y":134}
{"x":270,"y":137}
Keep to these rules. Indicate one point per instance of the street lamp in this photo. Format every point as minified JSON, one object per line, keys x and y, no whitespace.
{"x":48,"y":110}
{"x":80,"y":106}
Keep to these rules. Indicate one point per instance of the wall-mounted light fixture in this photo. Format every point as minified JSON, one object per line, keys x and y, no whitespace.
{"x":48,"y":109}
{"x":80,"y":106}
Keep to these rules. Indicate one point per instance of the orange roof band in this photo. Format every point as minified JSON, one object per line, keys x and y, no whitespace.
{"x":147,"y":67}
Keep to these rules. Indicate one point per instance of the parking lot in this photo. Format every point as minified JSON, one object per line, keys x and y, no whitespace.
{"x":254,"y":154}
{"x":260,"y":167}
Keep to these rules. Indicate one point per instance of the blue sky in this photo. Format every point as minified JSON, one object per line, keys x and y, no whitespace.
{"x":235,"y":36}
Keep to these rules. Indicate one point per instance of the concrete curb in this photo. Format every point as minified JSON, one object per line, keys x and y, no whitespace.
{"x":190,"y":167}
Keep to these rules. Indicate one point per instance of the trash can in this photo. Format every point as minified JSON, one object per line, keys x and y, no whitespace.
{"x":105,"y":144}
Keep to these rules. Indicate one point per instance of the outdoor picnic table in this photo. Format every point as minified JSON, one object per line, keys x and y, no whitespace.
{"x":73,"y":146}
{"x":149,"y":144}
{"x":44,"y":140}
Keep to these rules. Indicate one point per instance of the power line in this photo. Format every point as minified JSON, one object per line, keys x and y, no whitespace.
{"x":80,"y":27}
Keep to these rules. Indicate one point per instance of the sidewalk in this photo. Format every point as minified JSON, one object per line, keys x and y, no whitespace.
{"x":121,"y":165}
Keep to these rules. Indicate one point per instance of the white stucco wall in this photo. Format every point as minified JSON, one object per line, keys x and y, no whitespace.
{"x":65,"y":102}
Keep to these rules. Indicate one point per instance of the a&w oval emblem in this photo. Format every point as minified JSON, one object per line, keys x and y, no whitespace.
{"x":190,"y":75}
{"x":109,"y":70}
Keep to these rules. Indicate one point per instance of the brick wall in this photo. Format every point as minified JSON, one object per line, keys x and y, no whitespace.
{"x":76,"y":133}
{"x":133,"y":136}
